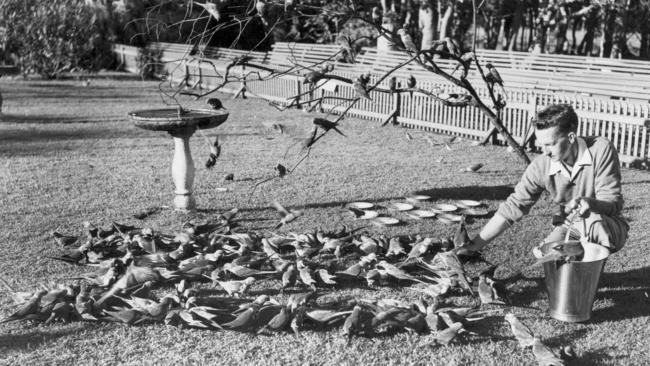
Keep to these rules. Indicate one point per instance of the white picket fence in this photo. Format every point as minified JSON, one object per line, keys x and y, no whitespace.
{"x":625,"y":123}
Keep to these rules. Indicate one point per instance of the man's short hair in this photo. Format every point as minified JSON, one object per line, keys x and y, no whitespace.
{"x":561,"y":115}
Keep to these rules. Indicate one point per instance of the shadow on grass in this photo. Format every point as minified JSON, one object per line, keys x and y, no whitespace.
{"x":34,"y":339}
{"x":601,"y":356}
{"x":469,"y":192}
{"x":594,"y":357}
{"x":30,"y":141}
{"x":627,"y":290}
{"x":45,"y":118}
{"x":636,"y":182}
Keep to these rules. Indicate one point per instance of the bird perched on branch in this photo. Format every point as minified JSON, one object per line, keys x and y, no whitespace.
{"x":327,"y":67}
{"x":212,"y":9}
{"x":361,"y":87}
{"x":493,"y":76}
{"x":347,"y":48}
{"x":409,"y":45}
{"x":327,"y":125}
{"x":313,"y":77}
{"x":451,"y":46}
{"x":410,"y":83}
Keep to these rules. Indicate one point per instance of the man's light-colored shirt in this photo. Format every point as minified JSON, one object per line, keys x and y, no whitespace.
{"x":596,"y":174}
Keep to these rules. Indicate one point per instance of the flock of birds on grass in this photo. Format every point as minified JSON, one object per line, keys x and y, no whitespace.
{"x":129,"y":262}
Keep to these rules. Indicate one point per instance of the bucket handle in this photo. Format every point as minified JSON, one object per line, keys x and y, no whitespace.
{"x":572,"y":219}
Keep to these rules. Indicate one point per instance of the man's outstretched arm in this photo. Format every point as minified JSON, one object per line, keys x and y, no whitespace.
{"x":491,"y":230}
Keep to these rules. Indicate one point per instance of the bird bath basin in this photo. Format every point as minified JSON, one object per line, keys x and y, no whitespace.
{"x":181,"y":125}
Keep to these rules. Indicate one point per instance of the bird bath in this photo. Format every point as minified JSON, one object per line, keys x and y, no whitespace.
{"x":181,"y":125}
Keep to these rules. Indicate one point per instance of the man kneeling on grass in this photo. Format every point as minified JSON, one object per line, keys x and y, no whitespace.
{"x":583,"y":176}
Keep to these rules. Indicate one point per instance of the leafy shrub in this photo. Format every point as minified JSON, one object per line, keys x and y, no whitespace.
{"x":148,"y":63}
{"x":54,"y":36}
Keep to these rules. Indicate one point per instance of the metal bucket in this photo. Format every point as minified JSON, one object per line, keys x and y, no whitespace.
{"x":572,"y":285}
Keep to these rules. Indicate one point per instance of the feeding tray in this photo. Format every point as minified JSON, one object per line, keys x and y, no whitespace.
{"x":361,"y":205}
{"x":385,"y":221}
{"x":421,"y":214}
{"x":467,"y":203}
{"x":448,"y":218}
{"x":181,"y":124}
{"x":415,"y":198}
{"x":366,"y":214}
{"x":444,"y":207}
{"x":398,"y":206}
{"x":169,"y":119}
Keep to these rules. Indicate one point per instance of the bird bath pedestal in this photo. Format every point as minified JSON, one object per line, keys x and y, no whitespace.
{"x":181,"y":125}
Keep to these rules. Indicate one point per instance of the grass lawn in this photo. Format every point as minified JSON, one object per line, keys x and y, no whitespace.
{"x":69,"y":154}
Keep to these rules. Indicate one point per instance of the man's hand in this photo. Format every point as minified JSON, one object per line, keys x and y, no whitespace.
{"x":474,"y":245}
{"x":582,"y":205}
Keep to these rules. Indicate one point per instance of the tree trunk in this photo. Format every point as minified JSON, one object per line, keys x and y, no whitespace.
{"x":383,"y":42}
{"x":445,"y":20}
{"x":427,"y":23}
{"x":644,"y":30}
{"x":406,"y":12}
{"x":501,"y":36}
{"x":532,"y":17}
{"x":644,"y":51}
{"x":561,"y":29}
{"x":515,"y":27}
{"x":608,"y":24}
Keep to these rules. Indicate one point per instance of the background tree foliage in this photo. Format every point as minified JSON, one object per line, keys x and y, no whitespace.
{"x":616,"y":28}
{"x":54,"y":36}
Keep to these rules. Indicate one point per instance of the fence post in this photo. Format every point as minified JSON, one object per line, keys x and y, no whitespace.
{"x":529,"y":138}
{"x":199,"y":82}
{"x":243,"y":81}
{"x":296,"y":100}
{"x":123,"y":55}
{"x":397,"y":108}
{"x":186,"y":77}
